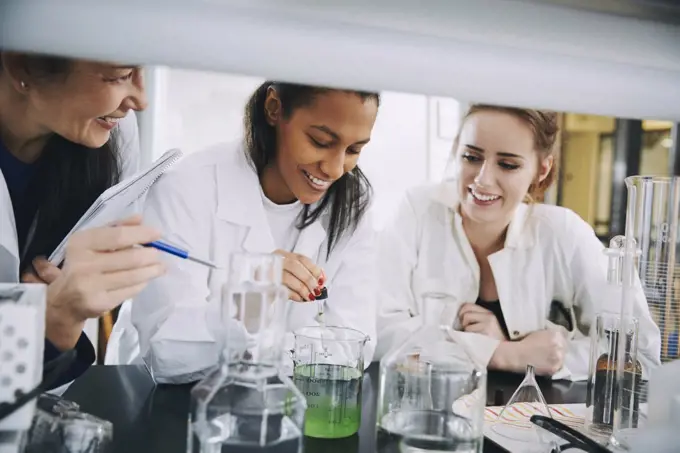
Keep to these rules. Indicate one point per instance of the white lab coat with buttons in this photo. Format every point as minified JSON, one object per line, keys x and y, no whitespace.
{"x":127,"y":142}
{"x":550,"y":253}
{"x":211,"y":205}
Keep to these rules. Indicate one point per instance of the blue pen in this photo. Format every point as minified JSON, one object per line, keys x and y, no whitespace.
{"x":178,"y":252}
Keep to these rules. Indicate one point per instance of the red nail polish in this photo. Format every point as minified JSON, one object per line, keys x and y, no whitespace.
{"x":321,"y":281}
{"x":311,"y":296}
{"x":317,"y":292}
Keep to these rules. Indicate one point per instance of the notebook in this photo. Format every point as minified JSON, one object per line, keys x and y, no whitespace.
{"x":112,"y":204}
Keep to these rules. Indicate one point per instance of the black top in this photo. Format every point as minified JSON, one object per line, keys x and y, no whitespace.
{"x":495,"y":308}
{"x":18,"y":177}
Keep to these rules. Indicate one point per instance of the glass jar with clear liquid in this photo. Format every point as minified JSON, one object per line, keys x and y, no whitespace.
{"x":432,"y":395}
{"x":248,"y":403}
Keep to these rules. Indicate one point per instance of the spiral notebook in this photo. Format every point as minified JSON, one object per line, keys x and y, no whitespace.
{"x":112,"y":204}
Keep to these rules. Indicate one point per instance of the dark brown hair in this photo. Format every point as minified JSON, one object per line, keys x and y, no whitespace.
{"x":544,"y":126}
{"x":347,"y":198}
{"x":69,"y":177}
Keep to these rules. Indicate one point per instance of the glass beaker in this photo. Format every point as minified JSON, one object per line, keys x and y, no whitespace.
{"x":329,"y":370}
{"x":248,"y":403}
{"x":432,"y":394}
{"x":602,"y":393}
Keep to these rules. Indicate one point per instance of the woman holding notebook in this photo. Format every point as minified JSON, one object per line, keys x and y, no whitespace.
{"x":66,"y":135}
{"x":291,"y":187}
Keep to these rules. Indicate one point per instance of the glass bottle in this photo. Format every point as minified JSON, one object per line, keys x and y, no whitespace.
{"x":249,"y":403}
{"x":432,"y":394}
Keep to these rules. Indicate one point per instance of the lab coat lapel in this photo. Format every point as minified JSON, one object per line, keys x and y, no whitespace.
{"x":456,"y":243}
{"x":239,"y":202}
{"x":9,"y":248}
{"x":310,"y":240}
{"x":507,"y":266}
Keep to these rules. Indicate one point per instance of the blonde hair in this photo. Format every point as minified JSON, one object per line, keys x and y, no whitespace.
{"x":544,"y":126}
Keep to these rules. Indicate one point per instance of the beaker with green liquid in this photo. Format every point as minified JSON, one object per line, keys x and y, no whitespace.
{"x":328,"y":371}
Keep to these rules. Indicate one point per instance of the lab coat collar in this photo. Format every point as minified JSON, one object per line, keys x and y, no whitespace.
{"x":237,"y":193}
{"x":239,"y":201}
{"x":9,"y":248}
{"x":519,"y":234}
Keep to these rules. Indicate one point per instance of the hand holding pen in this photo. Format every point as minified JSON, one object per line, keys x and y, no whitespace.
{"x":102,"y":268}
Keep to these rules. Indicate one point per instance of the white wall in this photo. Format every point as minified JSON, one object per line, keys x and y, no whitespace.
{"x":410,"y":143}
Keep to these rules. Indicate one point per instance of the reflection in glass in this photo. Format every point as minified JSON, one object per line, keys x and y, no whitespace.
{"x":432,"y":394}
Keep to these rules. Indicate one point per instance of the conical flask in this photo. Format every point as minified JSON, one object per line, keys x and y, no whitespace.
{"x":514,"y":419}
{"x":432,"y":393}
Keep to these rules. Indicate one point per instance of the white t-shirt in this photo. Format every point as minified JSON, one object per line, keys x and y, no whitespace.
{"x":282,"y":219}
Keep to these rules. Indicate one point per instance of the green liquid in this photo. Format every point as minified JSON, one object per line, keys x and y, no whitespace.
{"x":333,"y":395}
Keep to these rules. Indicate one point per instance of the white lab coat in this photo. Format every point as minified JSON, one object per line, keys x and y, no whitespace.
{"x":550,"y":253}
{"x":127,"y":141}
{"x":211,"y":204}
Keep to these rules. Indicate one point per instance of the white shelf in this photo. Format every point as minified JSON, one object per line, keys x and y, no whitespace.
{"x":500,"y":51}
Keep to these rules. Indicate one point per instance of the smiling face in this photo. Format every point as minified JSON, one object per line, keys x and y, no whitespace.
{"x":87,"y":102}
{"x":498,"y":164}
{"x":316,"y":144}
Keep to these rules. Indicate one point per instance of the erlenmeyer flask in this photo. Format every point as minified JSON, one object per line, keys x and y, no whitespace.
{"x":432,"y":393}
{"x":514,"y":419}
{"x":417,"y":385}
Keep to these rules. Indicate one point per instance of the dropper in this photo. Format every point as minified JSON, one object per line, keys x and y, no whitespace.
{"x":320,"y":302}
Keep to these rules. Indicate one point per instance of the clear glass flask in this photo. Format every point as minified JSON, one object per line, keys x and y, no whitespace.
{"x":329,"y":371}
{"x":432,"y":395}
{"x":248,"y":403}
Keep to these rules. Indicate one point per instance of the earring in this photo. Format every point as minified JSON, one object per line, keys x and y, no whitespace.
{"x":23,"y":85}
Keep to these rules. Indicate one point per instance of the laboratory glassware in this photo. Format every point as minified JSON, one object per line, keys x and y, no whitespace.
{"x":514,"y":420}
{"x":649,"y":266}
{"x":248,"y":403}
{"x":432,"y":393}
{"x":329,"y":371}
{"x":602,"y":393}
